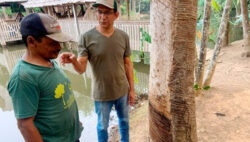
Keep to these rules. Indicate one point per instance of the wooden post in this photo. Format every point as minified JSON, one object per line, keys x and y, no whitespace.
{"x":133,"y":6}
{"x":27,"y":11}
{"x":128,"y":9}
{"x":46,"y":9}
{"x":139,"y":11}
{"x":3,"y":43}
{"x":50,"y":11}
{"x":68,"y":11}
{"x":76,"y":21}
{"x":2,"y":40}
{"x":4,"y":13}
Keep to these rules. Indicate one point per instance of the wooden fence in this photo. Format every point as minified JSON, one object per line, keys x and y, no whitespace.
{"x":9,"y":31}
{"x":132,"y":28}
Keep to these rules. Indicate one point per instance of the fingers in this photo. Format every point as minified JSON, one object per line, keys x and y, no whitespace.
{"x":63,"y":57}
{"x":72,"y":57}
{"x":66,"y":58}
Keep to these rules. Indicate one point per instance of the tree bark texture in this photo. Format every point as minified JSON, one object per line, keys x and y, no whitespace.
{"x":171,"y":92}
{"x":218,"y":44}
{"x":199,"y":73}
{"x":225,"y":38}
{"x":245,"y":25}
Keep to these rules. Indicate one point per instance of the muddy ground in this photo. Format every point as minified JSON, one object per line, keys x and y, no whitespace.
{"x":222,"y":112}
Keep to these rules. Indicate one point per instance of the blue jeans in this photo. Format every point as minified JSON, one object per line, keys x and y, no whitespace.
{"x":103,"y":109}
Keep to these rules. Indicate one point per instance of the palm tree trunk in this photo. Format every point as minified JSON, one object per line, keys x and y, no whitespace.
{"x":133,"y":5}
{"x":225,"y":38}
{"x":238,"y":9}
{"x":245,"y":24}
{"x":128,"y":9}
{"x":139,"y":11}
{"x":218,"y":45}
{"x":203,"y":48}
{"x":171,"y":93}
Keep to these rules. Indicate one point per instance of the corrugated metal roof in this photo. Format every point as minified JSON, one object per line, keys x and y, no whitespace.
{"x":42,"y":3}
{"x":6,"y":1}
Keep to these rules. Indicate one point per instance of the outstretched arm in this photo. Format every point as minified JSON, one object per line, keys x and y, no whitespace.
{"x":79,"y":64}
{"x":130,"y":76}
{"x":29,"y":130}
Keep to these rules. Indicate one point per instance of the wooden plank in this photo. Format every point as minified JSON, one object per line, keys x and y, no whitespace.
{"x":10,"y":31}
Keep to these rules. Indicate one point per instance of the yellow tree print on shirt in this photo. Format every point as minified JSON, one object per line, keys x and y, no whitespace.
{"x":59,"y":92}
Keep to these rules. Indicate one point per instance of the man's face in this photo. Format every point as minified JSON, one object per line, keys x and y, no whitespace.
{"x":106,"y":16}
{"x":48,"y":48}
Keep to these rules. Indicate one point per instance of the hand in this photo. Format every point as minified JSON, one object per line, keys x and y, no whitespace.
{"x":131,"y":98}
{"x":67,"y":57}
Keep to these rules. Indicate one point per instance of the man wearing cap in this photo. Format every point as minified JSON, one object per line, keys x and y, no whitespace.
{"x":108,"y":51}
{"x":41,"y":93}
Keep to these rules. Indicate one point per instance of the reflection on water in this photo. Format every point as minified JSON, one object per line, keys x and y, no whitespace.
{"x":81,"y":85}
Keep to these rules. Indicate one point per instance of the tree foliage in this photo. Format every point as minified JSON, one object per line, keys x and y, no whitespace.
{"x":142,"y":5}
{"x":145,"y":6}
{"x":217,"y":9}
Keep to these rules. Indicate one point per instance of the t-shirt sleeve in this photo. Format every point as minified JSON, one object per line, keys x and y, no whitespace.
{"x":127,"y":50}
{"x":82,"y":48}
{"x":25,"y":98}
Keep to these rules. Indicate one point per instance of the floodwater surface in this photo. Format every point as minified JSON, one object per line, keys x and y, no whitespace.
{"x":81,"y":85}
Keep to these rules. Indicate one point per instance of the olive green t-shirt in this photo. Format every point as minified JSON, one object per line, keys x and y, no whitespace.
{"x":46,"y":94}
{"x":106,"y":56}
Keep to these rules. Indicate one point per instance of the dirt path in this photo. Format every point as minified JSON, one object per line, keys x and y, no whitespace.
{"x":222,"y":112}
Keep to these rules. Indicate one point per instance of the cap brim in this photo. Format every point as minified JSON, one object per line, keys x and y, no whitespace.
{"x":60,"y":37}
{"x":98,"y":4}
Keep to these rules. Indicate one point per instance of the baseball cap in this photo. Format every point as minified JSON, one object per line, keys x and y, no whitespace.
{"x":37,"y":24}
{"x":108,"y":3}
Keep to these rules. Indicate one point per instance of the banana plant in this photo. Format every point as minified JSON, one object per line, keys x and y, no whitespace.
{"x":134,"y":71}
{"x":145,"y":37}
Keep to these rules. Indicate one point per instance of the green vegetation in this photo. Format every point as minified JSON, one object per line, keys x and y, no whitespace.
{"x":1,"y":12}
{"x":141,"y":10}
{"x":8,"y":11}
{"x":196,"y":87}
{"x":143,"y":5}
{"x":235,"y":28}
{"x":15,"y":8}
{"x":145,"y":38}
{"x":37,"y":9}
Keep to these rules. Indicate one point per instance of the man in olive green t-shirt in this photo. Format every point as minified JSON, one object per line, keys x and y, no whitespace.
{"x":41,"y":94}
{"x":108,"y":51}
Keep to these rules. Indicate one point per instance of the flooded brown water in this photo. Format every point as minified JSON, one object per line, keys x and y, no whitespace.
{"x":81,"y":85}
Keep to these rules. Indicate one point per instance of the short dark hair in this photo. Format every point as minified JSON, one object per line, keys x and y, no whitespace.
{"x":36,"y":37}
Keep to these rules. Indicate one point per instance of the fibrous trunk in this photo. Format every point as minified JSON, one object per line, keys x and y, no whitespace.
{"x":245,"y":24}
{"x":218,"y":44}
{"x":171,"y":93}
{"x":203,"y":47}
